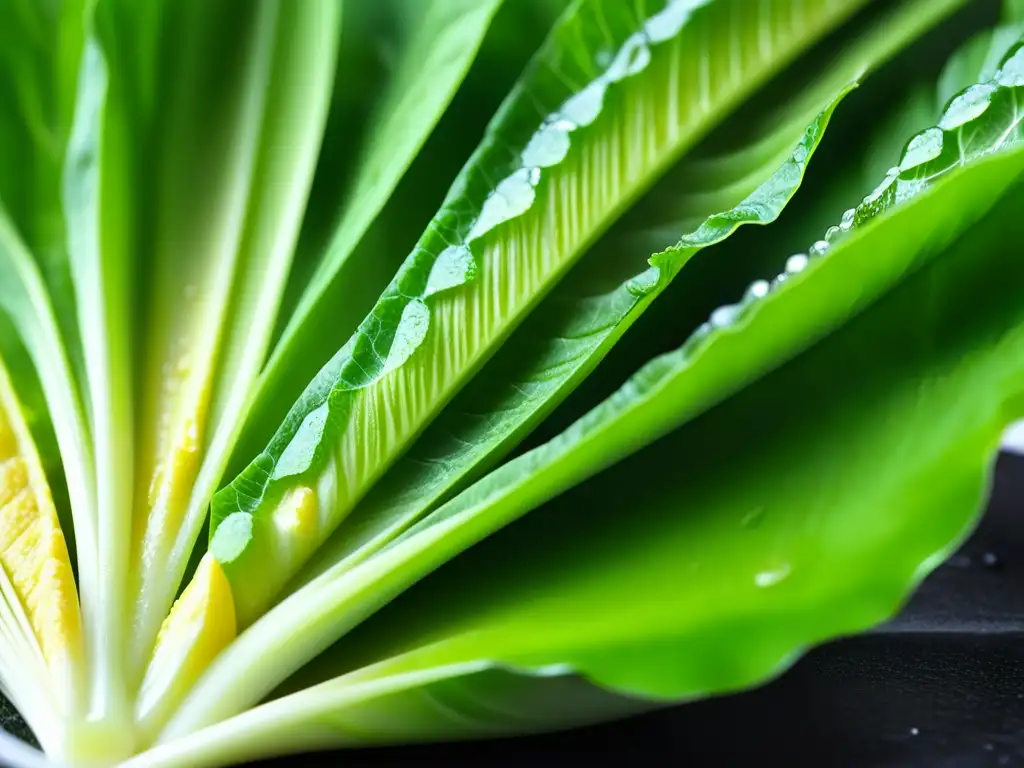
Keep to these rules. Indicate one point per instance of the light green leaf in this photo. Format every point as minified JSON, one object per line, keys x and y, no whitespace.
{"x":977,"y":61}
{"x":858,"y":262}
{"x":774,"y":536}
{"x":234,"y":176}
{"x":708,"y":195}
{"x":28,"y":312}
{"x":743,"y":548}
{"x":436,"y":44}
{"x":526,"y":207}
{"x":901,"y":102}
{"x":458,"y":702}
{"x":38,"y":90}
{"x":98,"y":234}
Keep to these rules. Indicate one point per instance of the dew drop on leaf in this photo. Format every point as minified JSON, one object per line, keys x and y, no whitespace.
{"x":757,"y":290}
{"x":703,"y":331}
{"x":297,"y":456}
{"x":969,"y":105}
{"x":549,"y":145}
{"x":879,"y":198}
{"x":512,"y":197}
{"x":724,"y":316}
{"x":796,"y":264}
{"x":645,"y":282}
{"x":232,"y":537}
{"x":583,"y":108}
{"x":923,"y":148}
{"x":666,"y":24}
{"x":411,"y":331}
{"x":820,"y":248}
{"x":632,"y":58}
{"x":454,"y":266}
{"x":1011,"y":70}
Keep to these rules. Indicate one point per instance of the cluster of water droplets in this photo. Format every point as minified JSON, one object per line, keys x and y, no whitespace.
{"x":515,"y":194}
{"x":549,"y":145}
{"x":456,"y":264}
{"x":979,"y":120}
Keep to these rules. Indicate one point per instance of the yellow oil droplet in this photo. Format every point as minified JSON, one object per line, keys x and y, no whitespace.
{"x":200,"y":625}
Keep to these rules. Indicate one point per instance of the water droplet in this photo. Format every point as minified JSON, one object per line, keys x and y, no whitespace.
{"x":880,"y":197}
{"x":753,"y":518}
{"x":724,"y":316}
{"x":878,"y":193}
{"x":666,"y":24}
{"x":412,"y":329}
{"x":922,"y":149}
{"x":512,"y":197}
{"x":779,"y":280}
{"x":969,"y":105}
{"x":796,"y":264}
{"x":703,"y":331}
{"x":453,"y":267}
{"x":914,"y":731}
{"x":1011,"y":70}
{"x":645,"y":282}
{"x":232,"y":537}
{"x":909,"y":188}
{"x":773,"y":577}
{"x":820,"y":248}
{"x":298,"y":455}
{"x":832,"y":235}
{"x":846,"y":224}
{"x":991,"y":561}
{"x":549,"y":145}
{"x":757,"y":290}
{"x":633,"y":57}
{"x":584,"y":107}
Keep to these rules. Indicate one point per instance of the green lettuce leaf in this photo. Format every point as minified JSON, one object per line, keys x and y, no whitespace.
{"x":230,"y":191}
{"x":945,"y":184}
{"x":740,"y":551}
{"x":437,"y":44}
{"x":746,"y":174}
{"x":776,"y":526}
{"x":522,"y":212}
